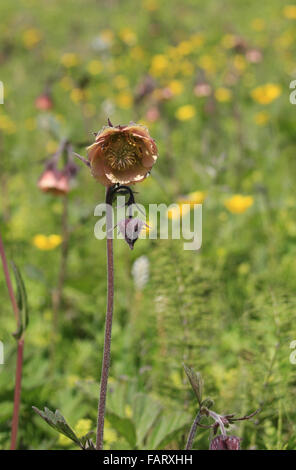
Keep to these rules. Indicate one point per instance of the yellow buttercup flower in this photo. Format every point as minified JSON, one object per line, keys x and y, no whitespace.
{"x":69,"y":60}
{"x":128,"y":36}
{"x":228,"y":41}
{"x":265,"y":94}
{"x":223,"y":95}
{"x":150,"y":5}
{"x":261,"y":118}
{"x":31,"y":38}
{"x":46,"y":243}
{"x":176,"y":87}
{"x":159,"y":64}
{"x":207,"y":63}
{"x":7,"y":125}
{"x":238,"y":203}
{"x":186,"y":112}
{"x":82,"y":427}
{"x":95,"y":67}
{"x":239,"y":62}
{"x":120,"y":82}
{"x":77,"y":95}
{"x":196,"y":197}
{"x":290,"y":12}
{"x":178,"y":210}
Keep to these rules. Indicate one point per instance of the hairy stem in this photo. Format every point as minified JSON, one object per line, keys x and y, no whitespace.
{"x":20,"y":349}
{"x":17,"y":393}
{"x":58,"y":291}
{"x":108,"y":328}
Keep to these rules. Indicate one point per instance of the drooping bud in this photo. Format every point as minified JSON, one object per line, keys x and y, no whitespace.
{"x":44,"y":102}
{"x":54,"y":181}
{"x":131,"y":229}
{"x":225,"y":443}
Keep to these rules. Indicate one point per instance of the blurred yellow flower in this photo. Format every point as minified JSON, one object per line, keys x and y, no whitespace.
{"x":120,"y":82}
{"x":31,"y":38}
{"x":186,"y":112}
{"x":77,"y":95}
{"x":128,"y":36}
{"x":178,"y":210}
{"x":69,"y":60}
{"x":176,"y":87}
{"x":223,"y":94}
{"x":7,"y":125}
{"x":258,"y":24}
{"x":137,"y":53}
{"x":243,"y":269}
{"x":238,"y":203}
{"x":66,"y":83}
{"x":124,"y":100}
{"x":150,"y":5}
{"x":159,"y":64}
{"x":265,"y":94}
{"x":94,"y":67}
{"x":207,"y":63}
{"x":228,"y":41}
{"x":82,"y":427}
{"x":196,"y":197}
{"x":240,"y":62}
{"x":261,"y":118}
{"x":197,"y":40}
{"x":290,"y":12}
{"x":184,"y":48}
{"x":46,"y":243}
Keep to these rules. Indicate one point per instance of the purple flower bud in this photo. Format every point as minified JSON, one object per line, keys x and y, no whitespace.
{"x":131,"y":229}
{"x":225,"y":443}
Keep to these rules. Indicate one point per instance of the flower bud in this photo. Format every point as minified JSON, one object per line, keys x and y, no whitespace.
{"x":131,"y":229}
{"x":54,"y":181}
{"x":43,"y":102}
{"x":225,"y":443}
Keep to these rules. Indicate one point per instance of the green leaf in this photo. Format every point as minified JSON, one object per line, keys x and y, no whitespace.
{"x":57,"y":421}
{"x":22,"y":301}
{"x":145,"y":413}
{"x":166,"y":429}
{"x":196,"y":382}
{"x":124,"y":427}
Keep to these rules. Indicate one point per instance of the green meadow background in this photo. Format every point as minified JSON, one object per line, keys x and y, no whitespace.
{"x":218,"y":107}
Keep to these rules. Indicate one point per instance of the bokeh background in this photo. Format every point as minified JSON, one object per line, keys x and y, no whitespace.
{"x":211,"y":82}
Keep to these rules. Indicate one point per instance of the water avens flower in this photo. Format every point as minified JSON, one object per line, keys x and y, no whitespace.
{"x":122,"y":154}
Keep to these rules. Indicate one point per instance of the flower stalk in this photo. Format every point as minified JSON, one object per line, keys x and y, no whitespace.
{"x":108,"y":325}
{"x":20,"y":350}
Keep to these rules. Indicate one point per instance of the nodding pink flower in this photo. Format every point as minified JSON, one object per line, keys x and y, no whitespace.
{"x":131,"y":229}
{"x":254,"y":56}
{"x":202,"y":89}
{"x":225,"y":443}
{"x":44,"y":102}
{"x":54,"y":181}
{"x":122,"y":154}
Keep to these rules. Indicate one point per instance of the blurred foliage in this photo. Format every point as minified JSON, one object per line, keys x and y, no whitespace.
{"x":211,"y":81}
